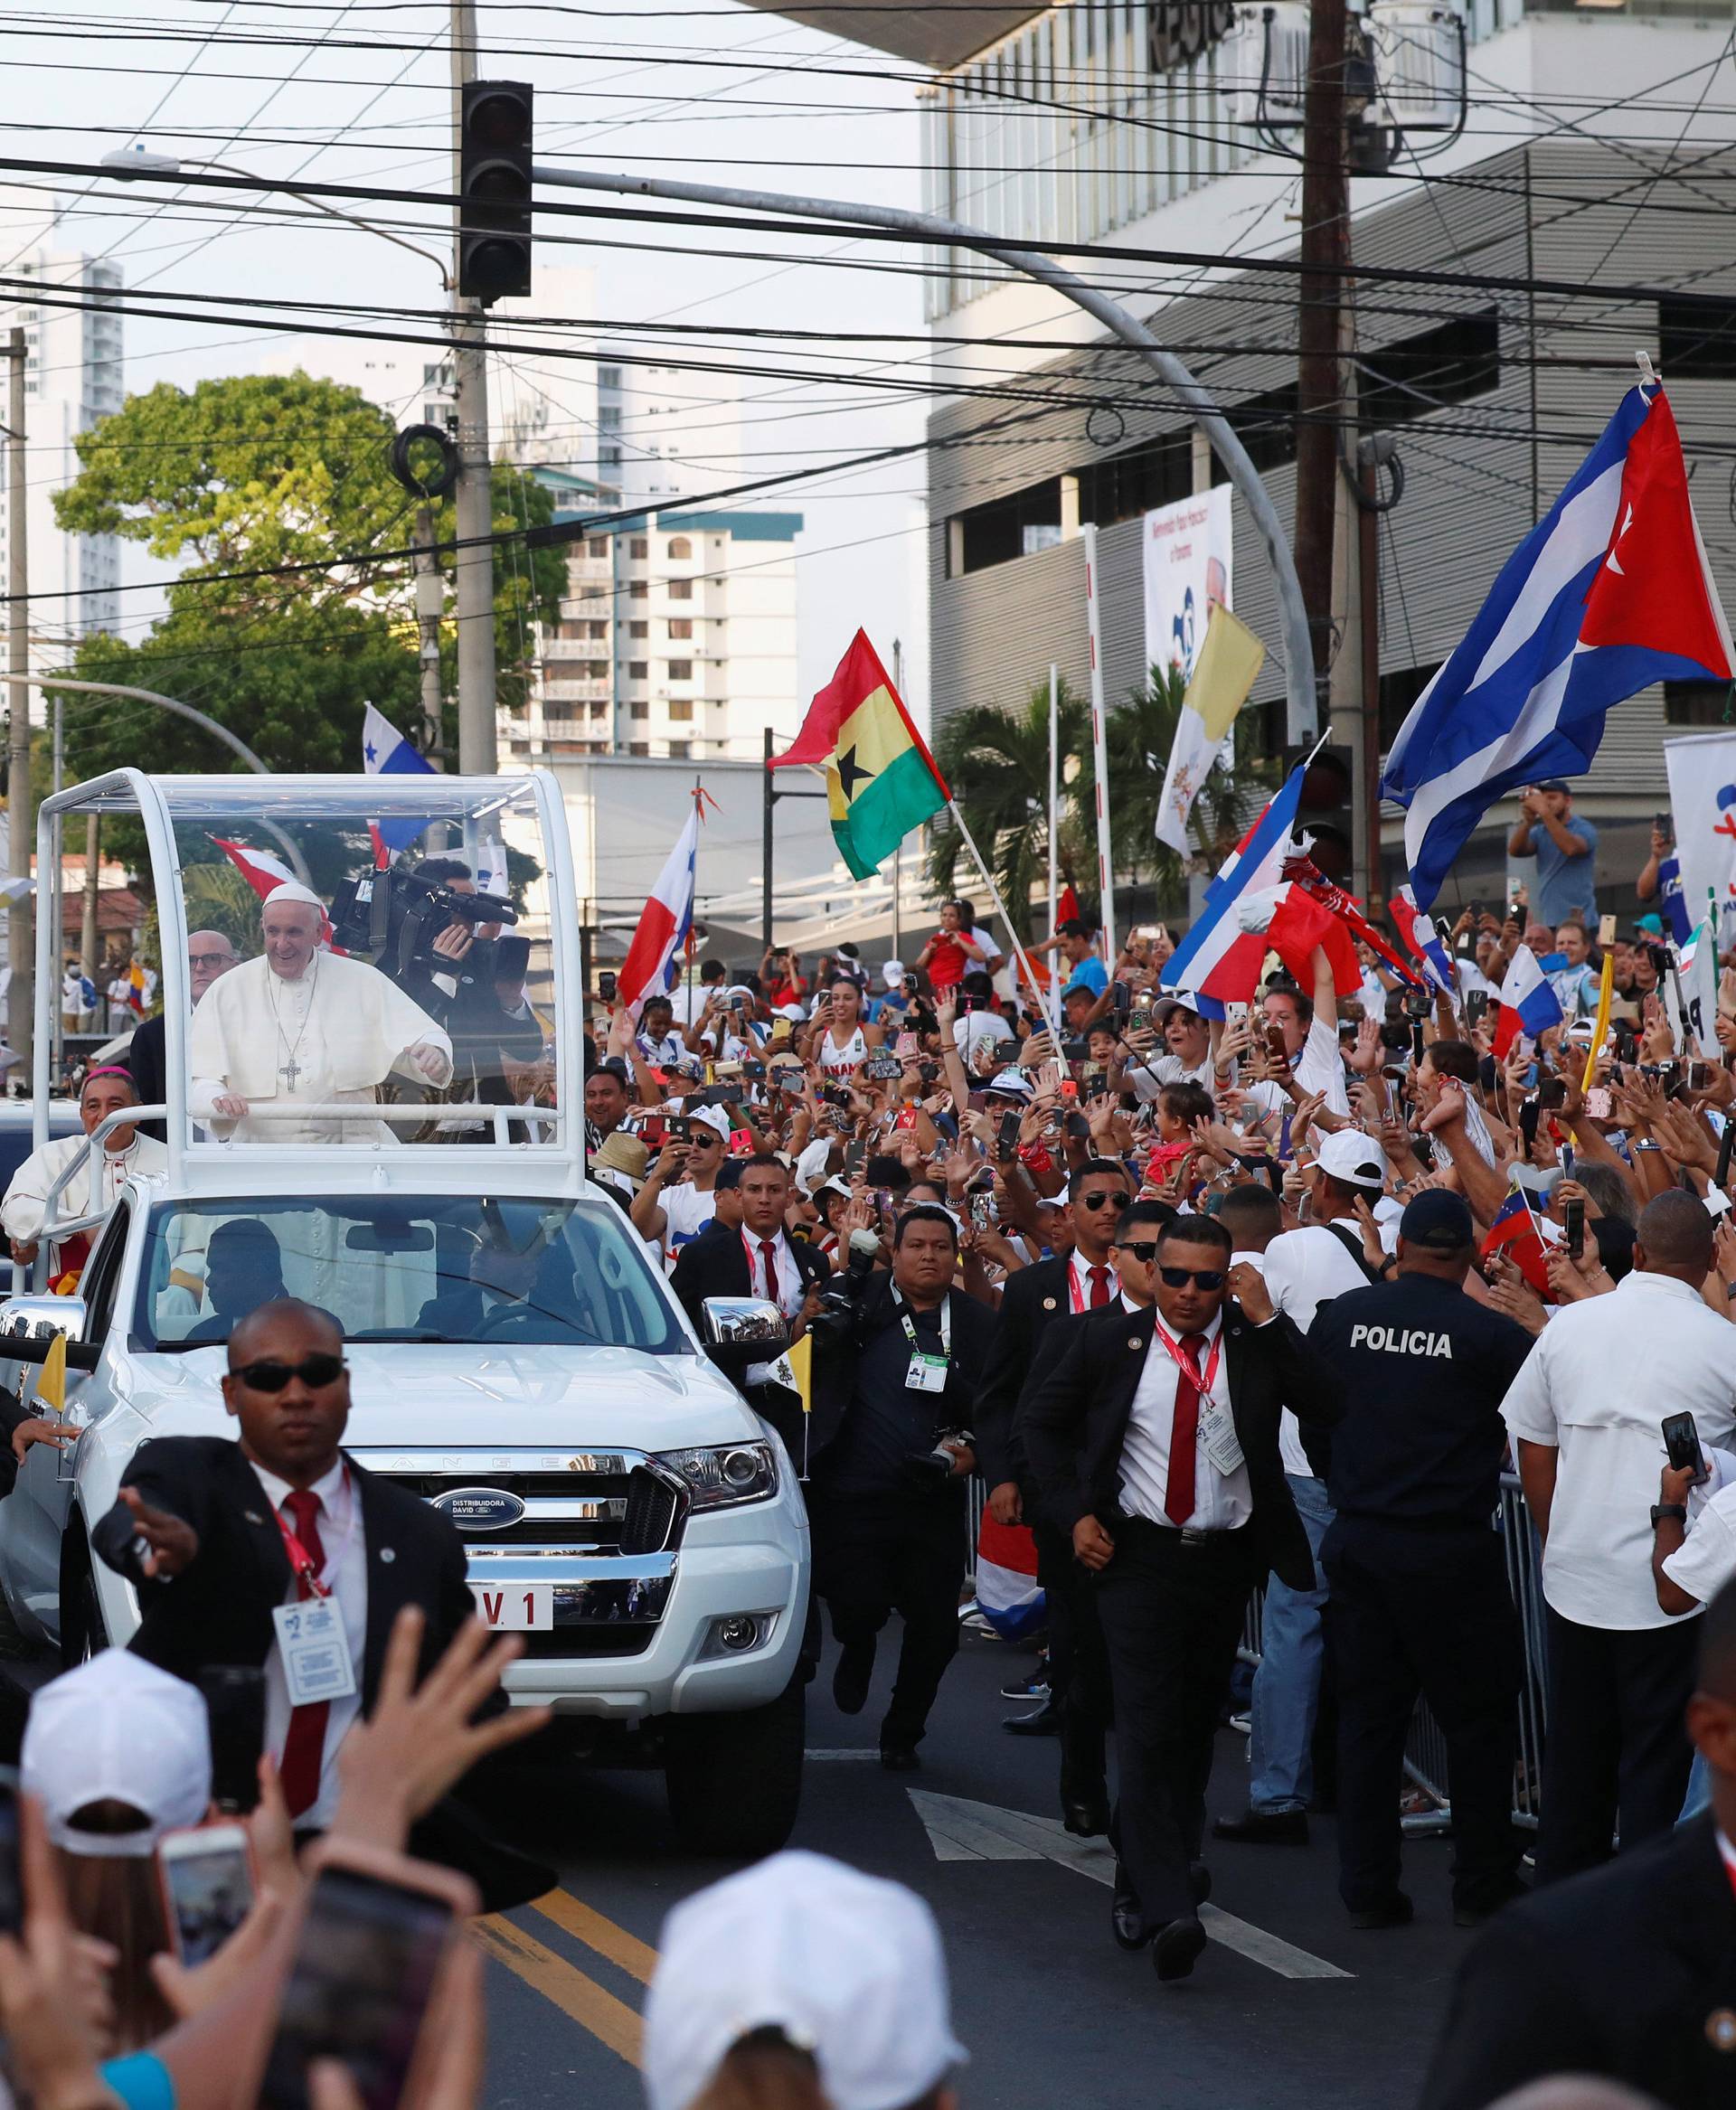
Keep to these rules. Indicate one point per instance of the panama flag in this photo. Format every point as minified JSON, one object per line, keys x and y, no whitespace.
{"x":1529,"y":1003}
{"x":649,"y":968}
{"x":1608,"y":594}
{"x":1422,"y":939}
{"x":1514,"y":1233}
{"x":385,"y":752}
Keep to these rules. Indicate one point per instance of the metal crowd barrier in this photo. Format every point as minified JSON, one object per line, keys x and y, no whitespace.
{"x":1425,"y":1756}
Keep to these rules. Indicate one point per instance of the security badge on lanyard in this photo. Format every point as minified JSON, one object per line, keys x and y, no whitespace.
{"x":313,"y":1647}
{"x":928,"y":1373}
{"x":1217,"y":1428}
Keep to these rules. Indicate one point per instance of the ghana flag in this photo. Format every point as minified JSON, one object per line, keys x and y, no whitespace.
{"x":881,"y":780}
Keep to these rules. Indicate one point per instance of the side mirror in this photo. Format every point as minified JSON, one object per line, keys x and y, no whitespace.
{"x":28,"y":1325}
{"x":740,"y":1331}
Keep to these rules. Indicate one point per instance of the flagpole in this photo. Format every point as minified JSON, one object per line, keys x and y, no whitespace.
{"x":1054,"y":1007}
{"x":1099,"y":751}
{"x":995,"y":895}
{"x":693,"y":927}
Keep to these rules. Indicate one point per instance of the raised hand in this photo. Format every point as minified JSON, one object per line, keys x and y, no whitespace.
{"x":171,"y":1545}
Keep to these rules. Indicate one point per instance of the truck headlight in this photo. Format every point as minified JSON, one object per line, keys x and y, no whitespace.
{"x":723,"y":1476}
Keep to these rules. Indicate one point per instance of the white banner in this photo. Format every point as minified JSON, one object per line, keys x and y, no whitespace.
{"x":1702,"y":802}
{"x":1187,"y":570}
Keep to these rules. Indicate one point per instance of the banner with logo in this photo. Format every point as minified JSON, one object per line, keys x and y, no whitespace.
{"x":1703,"y":802}
{"x":1187,"y":573}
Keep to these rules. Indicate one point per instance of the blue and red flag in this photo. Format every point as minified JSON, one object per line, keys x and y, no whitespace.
{"x":1422,"y":940}
{"x":1610,"y":592}
{"x":1529,"y":1004}
{"x":666,"y":924}
{"x":1514,"y":1233}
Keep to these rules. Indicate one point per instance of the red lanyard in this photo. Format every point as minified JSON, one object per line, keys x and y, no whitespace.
{"x":1076,"y":1296}
{"x":301,"y":1562}
{"x":1180,"y":1361}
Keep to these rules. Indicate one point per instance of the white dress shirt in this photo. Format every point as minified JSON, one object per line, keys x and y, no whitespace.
{"x":342,"y":1540}
{"x":1222,"y":1500}
{"x":1596,"y":1387}
{"x":1079,"y":1297}
{"x":1304,"y":1269}
{"x":788,"y":1293}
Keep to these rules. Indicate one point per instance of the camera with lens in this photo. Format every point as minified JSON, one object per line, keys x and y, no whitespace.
{"x":843,"y":1292}
{"x":931,"y":1470}
{"x":391,"y":918}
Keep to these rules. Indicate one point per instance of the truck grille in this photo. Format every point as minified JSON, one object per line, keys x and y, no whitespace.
{"x":628,"y":1510}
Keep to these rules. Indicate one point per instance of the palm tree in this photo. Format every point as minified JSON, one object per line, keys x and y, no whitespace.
{"x":1139,"y":734}
{"x":998,"y":765}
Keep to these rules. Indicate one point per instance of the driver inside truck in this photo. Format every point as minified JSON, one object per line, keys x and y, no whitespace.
{"x":243,"y":1271}
{"x":502,"y":1268}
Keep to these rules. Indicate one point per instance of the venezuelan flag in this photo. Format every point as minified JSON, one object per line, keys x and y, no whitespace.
{"x":881,"y":780}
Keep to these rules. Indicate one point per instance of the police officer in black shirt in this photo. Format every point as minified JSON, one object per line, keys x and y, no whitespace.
{"x":886,"y":1499}
{"x":1419,"y":1597}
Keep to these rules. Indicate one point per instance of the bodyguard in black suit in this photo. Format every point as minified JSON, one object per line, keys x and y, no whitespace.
{"x":736,"y":1264}
{"x":196,"y":1531}
{"x":1628,"y":1971}
{"x":1152,"y":1436}
{"x":1035,"y":1305}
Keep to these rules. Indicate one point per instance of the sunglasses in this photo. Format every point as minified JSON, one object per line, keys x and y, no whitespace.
{"x":314,"y":1371}
{"x":1179,"y":1277}
{"x":1103,"y":1199}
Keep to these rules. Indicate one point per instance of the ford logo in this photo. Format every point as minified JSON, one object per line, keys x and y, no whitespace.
{"x":480,"y":1509}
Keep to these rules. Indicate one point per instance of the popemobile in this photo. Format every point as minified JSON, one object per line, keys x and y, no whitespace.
{"x":379,"y":1110}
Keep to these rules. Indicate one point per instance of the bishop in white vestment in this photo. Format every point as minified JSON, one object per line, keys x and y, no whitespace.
{"x":301,"y":1024}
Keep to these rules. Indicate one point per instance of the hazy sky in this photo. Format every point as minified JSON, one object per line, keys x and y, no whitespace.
{"x":359,"y":94}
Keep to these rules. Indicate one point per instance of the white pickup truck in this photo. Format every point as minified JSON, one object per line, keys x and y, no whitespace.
{"x":515,"y":1357}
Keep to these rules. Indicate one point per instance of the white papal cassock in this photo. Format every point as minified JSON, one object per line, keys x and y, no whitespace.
{"x":26,"y":1201}
{"x":335,"y":1033}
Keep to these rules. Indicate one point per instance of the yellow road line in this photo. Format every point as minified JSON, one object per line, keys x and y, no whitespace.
{"x":611,"y":2021}
{"x":638,"y":1959}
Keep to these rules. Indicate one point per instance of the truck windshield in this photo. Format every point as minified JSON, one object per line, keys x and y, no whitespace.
{"x":417,"y":1267}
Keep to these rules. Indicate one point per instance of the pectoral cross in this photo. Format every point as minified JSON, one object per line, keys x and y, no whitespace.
{"x":291,"y":1071}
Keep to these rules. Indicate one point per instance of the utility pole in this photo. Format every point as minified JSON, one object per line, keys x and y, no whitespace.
{"x":430,"y":606}
{"x":1326,"y":245}
{"x":473,"y":567}
{"x":20,"y":921}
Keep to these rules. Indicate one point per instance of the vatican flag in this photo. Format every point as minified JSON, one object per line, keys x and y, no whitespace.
{"x":1223,"y":677}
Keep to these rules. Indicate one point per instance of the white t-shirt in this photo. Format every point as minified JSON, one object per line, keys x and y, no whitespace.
{"x":1304,"y":1269}
{"x":1318,"y":1068}
{"x":1596,"y":1385}
{"x":686,"y":1211}
{"x":1146,"y":1075}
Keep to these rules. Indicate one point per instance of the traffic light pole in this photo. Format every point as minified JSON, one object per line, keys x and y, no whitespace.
{"x":473,"y":565}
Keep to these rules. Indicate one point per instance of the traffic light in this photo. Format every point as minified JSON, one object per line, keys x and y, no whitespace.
{"x":1325,"y":811}
{"x":494,"y":189}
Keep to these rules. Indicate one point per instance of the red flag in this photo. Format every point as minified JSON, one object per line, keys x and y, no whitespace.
{"x":1514,"y":1233}
{"x":1066,"y":908}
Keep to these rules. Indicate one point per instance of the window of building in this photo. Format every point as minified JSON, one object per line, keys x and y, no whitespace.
{"x":1696,"y":338}
{"x":681,"y":707}
{"x":1696,"y":702}
{"x":609,"y":377}
{"x":638,"y":589}
{"x":639,"y":746}
{"x":637,"y":670}
{"x":1457,"y":359}
{"x":681,"y":589}
{"x":598,"y":629}
{"x":681,"y":750}
{"x":599,"y":707}
{"x":681,"y":670}
{"x":1011,"y":527}
{"x":594,"y":670}
{"x":681,"y":626}
{"x":679,"y":546}
{"x":608,"y":418}
{"x":610,"y":457}
{"x":638,"y":629}
{"x":638,"y":548}
{"x":597,"y":546}
{"x":1130,"y":484}
{"x":640,"y":708}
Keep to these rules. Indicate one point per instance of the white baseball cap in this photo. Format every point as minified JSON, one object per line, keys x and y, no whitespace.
{"x":1013,"y":1083}
{"x":813,"y":1163}
{"x":849,"y":1967}
{"x":1349,"y":1155}
{"x":892,"y":974}
{"x":118,"y":1729}
{"x":713,"y":1117}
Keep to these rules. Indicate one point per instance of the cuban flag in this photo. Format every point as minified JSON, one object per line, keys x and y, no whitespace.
{"x":1251,"y":908}
{"x":1529,"y":1004}
{"x":1422,"y":940}
{"x":650,"y":967}
{"x":1608,"y":594}
{"x":385,"y":752}
{"x":1008,"y":1594}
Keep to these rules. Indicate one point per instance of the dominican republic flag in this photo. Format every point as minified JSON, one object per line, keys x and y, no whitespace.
{"x":1422,"y":939}
{"x":1529,"y":1003}
{"x":650,"y":968}
{"x":385,"y":752}
{"x":1514,"y":1233}
{"x":1251,"y":908}
{"x":1008,"y":1594}
{"x":1608,"y":594}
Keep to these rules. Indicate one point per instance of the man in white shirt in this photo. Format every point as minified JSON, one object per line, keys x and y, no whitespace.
{"x":687,"y":1197}
{"x":1310,"y":1031}
{"x":1585,"y":1414}
{"x":1303,"y":1270}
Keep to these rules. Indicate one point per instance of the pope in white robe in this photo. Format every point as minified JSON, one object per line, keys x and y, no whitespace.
{"x":124,"y":1153}
{"x":303,"y":1025}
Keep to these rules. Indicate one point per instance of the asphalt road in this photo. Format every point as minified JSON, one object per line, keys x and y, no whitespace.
{"x":1300,"y":2012}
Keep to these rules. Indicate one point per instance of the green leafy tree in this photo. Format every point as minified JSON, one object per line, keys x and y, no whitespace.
{"x":253,"y":473}
{"x":1140,"y":735}
{"x":997,"y":764}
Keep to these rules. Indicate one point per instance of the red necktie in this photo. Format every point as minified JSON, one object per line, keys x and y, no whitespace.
{"x":1179,"y":1497}
{"x":304,"y":1748}
{"x":769,"y":1253}
{"x":1100,"y":1286}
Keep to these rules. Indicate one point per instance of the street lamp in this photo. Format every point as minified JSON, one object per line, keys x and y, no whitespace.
{"x":146,"y":161}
